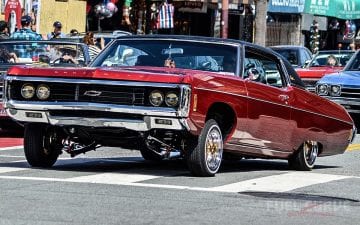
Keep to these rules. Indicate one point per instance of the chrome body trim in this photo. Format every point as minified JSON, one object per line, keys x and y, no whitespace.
{"x":261,"y":100}
{"x":345,"y":102}
{"x":145,"y":124}
{"x":90,"y":81}
{"x":45,"y":106}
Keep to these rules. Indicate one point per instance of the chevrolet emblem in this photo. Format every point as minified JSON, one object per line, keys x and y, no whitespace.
{"x":92,"y":93}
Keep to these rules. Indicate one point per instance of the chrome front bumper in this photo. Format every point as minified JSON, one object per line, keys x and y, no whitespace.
{"x":152,"y":117}
{"x":352,"y":105}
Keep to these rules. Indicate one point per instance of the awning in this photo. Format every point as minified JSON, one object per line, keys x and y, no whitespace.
{"x":342,"y":9}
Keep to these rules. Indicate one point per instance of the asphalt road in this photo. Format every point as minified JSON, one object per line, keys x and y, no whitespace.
{"x":115,"y":186}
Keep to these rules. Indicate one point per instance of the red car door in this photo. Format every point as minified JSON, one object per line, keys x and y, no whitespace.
{"x":269,"y":128}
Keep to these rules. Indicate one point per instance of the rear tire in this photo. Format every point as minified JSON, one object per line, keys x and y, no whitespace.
{"x":39,"y":148}
{"x":305,"y":158}
{"x":204,"y":159}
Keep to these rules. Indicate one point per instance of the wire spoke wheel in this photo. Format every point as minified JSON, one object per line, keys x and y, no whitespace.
{"x":205,"y":158}
{"x":305,"y":158}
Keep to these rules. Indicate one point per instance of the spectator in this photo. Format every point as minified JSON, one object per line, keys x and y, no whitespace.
{"x":4,"y":32}
{"x":57,"y":31}
{"x":25,"y":33}
{"x":332,"y":61}
{"x":91,"y":43}
{"x":8,"y":57}
{"x":74,"y":32}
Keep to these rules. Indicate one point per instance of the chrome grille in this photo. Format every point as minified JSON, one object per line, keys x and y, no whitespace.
{"x":350,"y":92}
{"x":107,"y":94}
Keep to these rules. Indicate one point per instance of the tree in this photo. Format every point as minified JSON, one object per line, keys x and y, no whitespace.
{"x":260,"y":21}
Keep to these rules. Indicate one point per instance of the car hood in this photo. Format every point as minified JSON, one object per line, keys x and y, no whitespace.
{"x":349,"y":78}
{"x":316,"y":72}
{"x":145,"y":74}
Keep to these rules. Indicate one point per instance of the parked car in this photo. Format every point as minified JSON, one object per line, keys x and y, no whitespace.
{"x":318,"y":67}
{"x":343,"y":87}
{"x":38,"y":53}
{"x":250,"y":104}
{"x":296,"y":55}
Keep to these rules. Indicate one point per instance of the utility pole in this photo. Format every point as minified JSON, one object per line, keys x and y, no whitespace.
{"x":260,"y":22}
{"x":224,"y":18}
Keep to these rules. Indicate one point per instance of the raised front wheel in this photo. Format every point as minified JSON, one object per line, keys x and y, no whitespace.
{"x":205,"y":159}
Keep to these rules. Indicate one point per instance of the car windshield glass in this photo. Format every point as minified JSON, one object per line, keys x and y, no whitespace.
{"x":34,"y":53}
{"x":354,"y":64}
{"x":322,"y":59}
{"x":289,"y":54}
{"x":183,"y":54}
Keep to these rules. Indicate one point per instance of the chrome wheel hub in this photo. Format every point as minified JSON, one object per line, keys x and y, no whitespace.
{"x":311,"y":151}
{"x":214,"y":148}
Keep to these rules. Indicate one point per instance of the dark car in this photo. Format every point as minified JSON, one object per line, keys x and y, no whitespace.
{"x":194,"y":98}
{"x":343,"y":87}
{"x":51,"y":53}
{"x":296,"y":55}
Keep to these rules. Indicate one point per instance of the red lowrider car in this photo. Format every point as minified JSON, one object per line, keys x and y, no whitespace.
{"x":318,"y":66}
{"x":177,"y":96}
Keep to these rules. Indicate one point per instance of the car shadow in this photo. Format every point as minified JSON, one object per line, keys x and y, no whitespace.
{"x":177,"y":167}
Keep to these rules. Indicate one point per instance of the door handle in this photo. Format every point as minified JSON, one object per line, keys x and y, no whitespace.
{"x":284,"y":97}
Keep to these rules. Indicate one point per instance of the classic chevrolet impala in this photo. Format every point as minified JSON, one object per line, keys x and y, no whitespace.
{"x":177,"y":96}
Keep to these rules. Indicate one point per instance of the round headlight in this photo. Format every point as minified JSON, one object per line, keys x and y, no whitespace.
{"x":322,"y":89}
{"x":43,"y":92}
{"x":335,"y":90}
{"x":27,"y":91}
{"x":171,"y":99}
{"x":156,"y":98}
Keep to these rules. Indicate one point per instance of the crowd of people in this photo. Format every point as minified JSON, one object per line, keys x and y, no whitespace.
{"x":27,"y":33}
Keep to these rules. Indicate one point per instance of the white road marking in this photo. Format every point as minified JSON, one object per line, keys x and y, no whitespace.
{"x":112,"y":178}
{"x":11,"y":148}
{"x":11,"y":169}
{"x":277,"y":183}
{"x":280,"y":183}
{"x":12,"y":156}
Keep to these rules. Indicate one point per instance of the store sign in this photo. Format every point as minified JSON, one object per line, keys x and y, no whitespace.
{"x":286,"y":6}
{"x":342,"y":9}
{"x":195,"y":7}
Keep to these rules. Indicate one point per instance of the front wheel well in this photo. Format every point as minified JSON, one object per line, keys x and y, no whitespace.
{"x":224,"y":116}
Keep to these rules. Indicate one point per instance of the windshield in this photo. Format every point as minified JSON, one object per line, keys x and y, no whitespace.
{"x":354,"y":64}
{"x":289,"y":54}
{"x":157,"y":53}
{"x":324,"y":59}
{"x":32,"y":52}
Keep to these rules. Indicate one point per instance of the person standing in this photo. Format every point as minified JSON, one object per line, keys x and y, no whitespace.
{"x":25,"y":33}
{"x":90,"y":40}
{"x":4,"y":31}
{"x":57,"y":31}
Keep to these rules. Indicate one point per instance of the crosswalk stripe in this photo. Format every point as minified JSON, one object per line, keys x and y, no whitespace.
{"x":11,"y":169}
{"x":11,"y":148}
{"x":112,"y":178}
{"x":280,"y":183}
{"x":276,"y":183}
